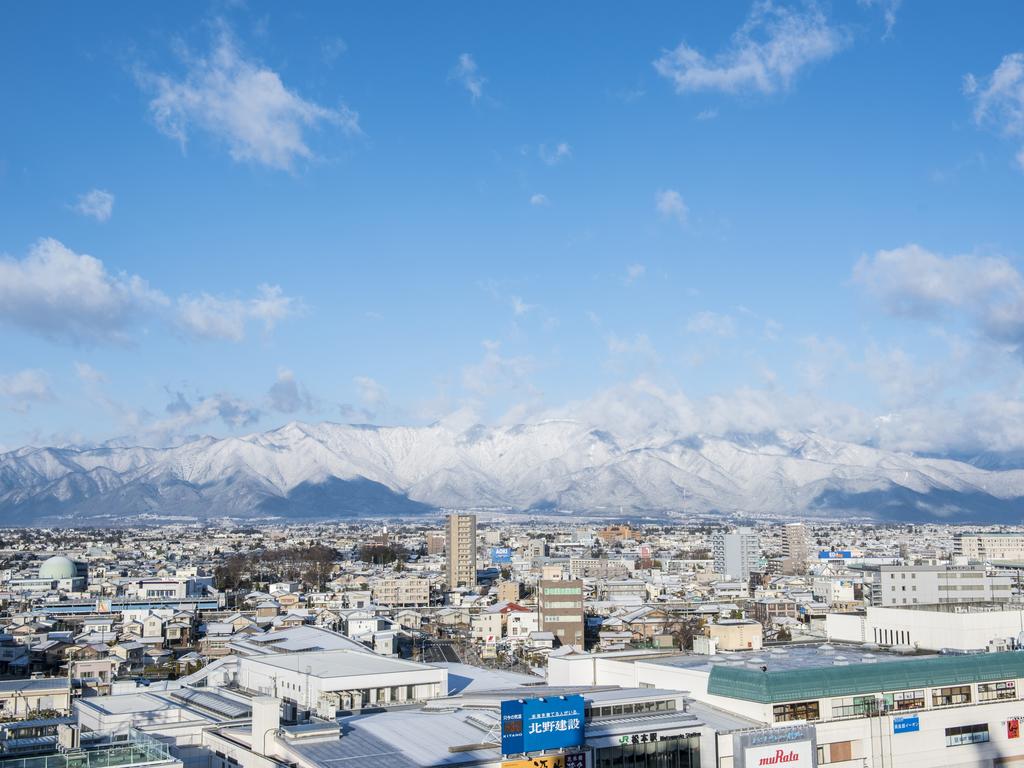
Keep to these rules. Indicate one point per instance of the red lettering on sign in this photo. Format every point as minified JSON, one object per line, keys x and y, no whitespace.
{"x":781,"y":757}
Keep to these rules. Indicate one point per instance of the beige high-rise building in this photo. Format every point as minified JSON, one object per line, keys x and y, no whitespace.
{"x":796,"y":548}
{"x":460,"y":536}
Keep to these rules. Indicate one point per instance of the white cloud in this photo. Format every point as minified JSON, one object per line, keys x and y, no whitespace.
{"x":243,"y":103}
{"x":912,"y":281}
{"x":669,"y":203}
{"x":214,"y":317}
{"x":630,"y":354}
{"x":552,"y":155}
{"x":889,"y":10}
{"x":538,"y":199}
{"x":287,"y":395}
{"x":634,"y":272}
{"x":331,"y":49}
{"x":496,"y":372}
{"x":371,"y":393}
{"x":999,"y":99}
{"x":71,"y":297}
{"x":520,"y":307}
{"x":184,"y":415}
{"x":97,"y":204}
{"x":89,"y":375}
{"x":25,"y":388}
{"x":468,"y":74}
{"x":824,"y":358}
{"x":711,"y":323}
{"x":766,"y":53}
{"x":707,"y":114}
{"x":67,"y":296}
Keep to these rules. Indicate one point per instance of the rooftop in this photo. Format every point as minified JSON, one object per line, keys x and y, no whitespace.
{"x":816,"y":681}
{"x":340,"y":663}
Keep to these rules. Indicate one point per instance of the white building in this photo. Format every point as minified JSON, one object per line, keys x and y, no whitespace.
{"x":899,"y":585}
{"x":737,"y":553}
{"x":931,"y":628}
{"x":348,"y":679}
{"x":838,"y":706}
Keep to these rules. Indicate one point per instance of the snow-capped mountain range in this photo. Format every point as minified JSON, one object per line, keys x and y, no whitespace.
{"x":334,"y":470}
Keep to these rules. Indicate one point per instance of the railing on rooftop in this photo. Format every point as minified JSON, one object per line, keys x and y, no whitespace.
{"x":113,"y":751}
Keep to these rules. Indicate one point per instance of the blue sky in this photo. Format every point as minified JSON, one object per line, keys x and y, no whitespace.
{"x":698,"y":217}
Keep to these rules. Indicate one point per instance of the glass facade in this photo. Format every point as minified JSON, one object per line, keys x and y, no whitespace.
{"x":668,"y":752}
{"x":120,"y":751}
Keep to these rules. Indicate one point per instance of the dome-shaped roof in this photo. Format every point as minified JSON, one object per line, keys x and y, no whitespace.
{"x":58,"y":567}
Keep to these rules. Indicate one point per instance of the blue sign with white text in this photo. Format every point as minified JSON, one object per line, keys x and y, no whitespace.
{"x":835,"y":554}
{"x":501,"y":554}
{"x":906,"y":724}
{"x":533,"y":725}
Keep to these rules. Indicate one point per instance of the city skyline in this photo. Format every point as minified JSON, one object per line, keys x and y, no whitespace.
{"x":730,"y":218}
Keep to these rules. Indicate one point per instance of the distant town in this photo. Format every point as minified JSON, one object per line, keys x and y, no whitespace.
{"x":493,"y":643}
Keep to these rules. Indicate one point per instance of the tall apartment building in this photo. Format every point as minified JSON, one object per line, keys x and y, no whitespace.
{"x":736,"y":553}
{"x":989,"y":546}
{"x":560,"y":609}
{"x":796,"y":548}
{"x":896,"y":585}
{"x":460,"y":545}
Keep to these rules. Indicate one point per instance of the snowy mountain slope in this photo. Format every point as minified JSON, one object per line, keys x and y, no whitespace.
{"x":332,"y":470}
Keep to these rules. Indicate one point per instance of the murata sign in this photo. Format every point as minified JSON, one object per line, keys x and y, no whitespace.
{"x":789,"y":747}
{"x":792,"y":755}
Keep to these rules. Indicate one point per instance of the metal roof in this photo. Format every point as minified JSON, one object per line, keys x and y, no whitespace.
{"x":823,"y":682}
{"x":212,"y":702}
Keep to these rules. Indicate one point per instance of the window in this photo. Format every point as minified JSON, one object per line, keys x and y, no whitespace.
{"x":1001,"y":690}
{"x":966,"y":734}
{"x":857,"y":706}
{"x":958,"y":694}
{"x":908,"y":700}
{"x":801,"y":710}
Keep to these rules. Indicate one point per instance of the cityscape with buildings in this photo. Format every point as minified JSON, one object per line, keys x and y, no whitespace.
{"x":511,"y":384}
{"x":405,"y":644}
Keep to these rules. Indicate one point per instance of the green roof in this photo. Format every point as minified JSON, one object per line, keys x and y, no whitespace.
{"x":824,"y":682}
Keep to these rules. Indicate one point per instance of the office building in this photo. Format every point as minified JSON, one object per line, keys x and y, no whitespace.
{"x":737,"y":553}
{"x":460,"y":545}
{"x":560,"y":608}
{"x":905,"y":585}
{"x":982,"y":547}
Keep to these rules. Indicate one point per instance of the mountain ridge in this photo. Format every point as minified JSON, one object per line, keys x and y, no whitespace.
{"x":335,"y":470}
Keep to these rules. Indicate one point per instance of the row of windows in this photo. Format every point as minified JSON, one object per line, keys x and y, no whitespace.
{"x":640,"y":707}
{"x":669,"y":752}
{"x":967,"y":734}
{"x":995,"y":691}
{"x":956,"y":694}
{"x":863,"y":706}
{"x":800,"y":710}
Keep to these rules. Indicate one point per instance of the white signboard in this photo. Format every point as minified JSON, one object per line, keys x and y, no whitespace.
{"x":789,"y":747}
{"x":798,"y":754}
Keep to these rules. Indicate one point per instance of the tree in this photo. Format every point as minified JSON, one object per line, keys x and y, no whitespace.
{"x":382,"y":554}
